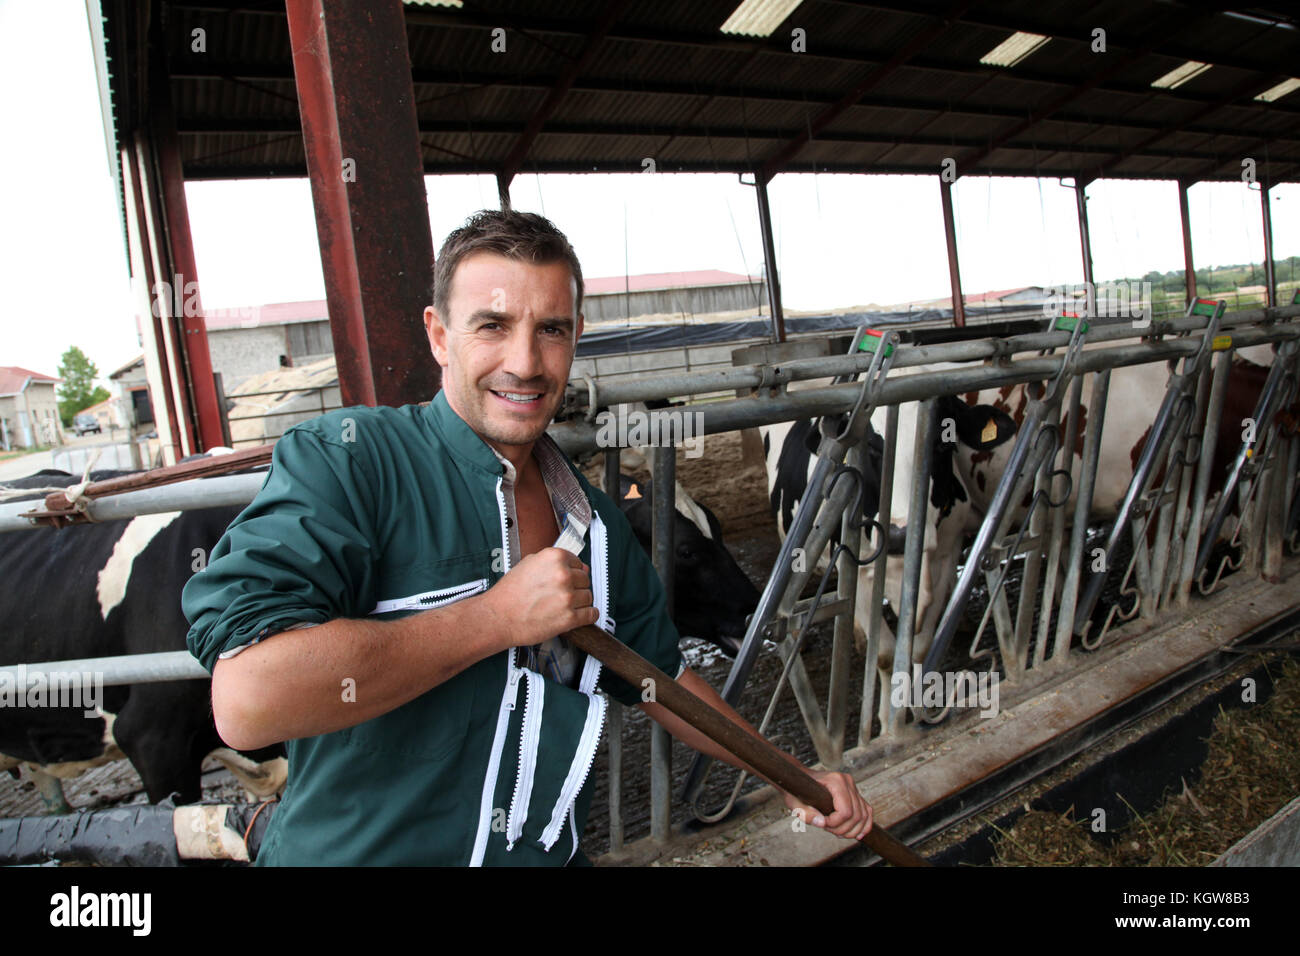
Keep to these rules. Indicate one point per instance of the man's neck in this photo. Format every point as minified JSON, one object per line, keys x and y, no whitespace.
{"x":520,"y":456}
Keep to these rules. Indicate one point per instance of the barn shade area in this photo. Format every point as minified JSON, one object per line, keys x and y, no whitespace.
{"x":1038,"y":524}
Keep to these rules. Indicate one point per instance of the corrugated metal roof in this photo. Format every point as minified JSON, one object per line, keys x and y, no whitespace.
{"x":886,"y":86}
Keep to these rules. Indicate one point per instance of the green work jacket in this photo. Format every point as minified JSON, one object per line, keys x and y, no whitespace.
{"x":388,"y":512}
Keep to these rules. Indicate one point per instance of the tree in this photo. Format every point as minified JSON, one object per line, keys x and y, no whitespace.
{"x":78,"y":390}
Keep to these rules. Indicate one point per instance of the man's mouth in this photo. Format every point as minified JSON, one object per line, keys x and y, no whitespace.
{"x":520,"y":399}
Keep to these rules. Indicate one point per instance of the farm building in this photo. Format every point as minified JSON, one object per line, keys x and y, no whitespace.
{"x":29,"y":408}
{"x":1053,"y":528}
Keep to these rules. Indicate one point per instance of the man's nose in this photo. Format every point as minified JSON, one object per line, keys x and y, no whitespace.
{"x":523,"y":357}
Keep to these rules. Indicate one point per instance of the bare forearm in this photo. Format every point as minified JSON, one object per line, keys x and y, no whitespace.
{"x":316,"y":680}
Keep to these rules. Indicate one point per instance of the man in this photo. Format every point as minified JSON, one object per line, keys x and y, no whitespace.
{"x":390,"y":602}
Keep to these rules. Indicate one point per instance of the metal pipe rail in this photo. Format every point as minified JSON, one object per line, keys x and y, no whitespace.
{"x":582,"y":437}
{"x":591,"y":395}
{"x":181,"y":496}
{"x":109,"y":671}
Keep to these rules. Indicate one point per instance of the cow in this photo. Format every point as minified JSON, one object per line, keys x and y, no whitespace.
{"x":1134,"y":394}
{"x":712,"y":594}
{"x":103,"y":590}
{"x":789,"y":448}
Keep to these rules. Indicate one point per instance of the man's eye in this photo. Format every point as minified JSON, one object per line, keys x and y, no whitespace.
{"x":554,"y":330}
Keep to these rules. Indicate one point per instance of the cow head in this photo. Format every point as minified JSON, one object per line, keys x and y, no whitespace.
{"x":711,"y":593}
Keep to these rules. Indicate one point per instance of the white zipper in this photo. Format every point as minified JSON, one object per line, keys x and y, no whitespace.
{"x":600,"y":573}
{"x":578,"y":770}
{"x":431,"y":599}
{"x":529,"y":738}
{"x":508,"y":698}
{"x":505,"y":532}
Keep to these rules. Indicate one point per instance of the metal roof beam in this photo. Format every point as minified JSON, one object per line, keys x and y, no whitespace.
{"x":563,"y":83}
{"x":778,"y":160}
{"x":1015,"y":22}
{"x":595,"y":85}
{"x":1116,"y":65}
{"x":196,"y":171}
{"x":207,"y":70}
{"x":237,"y":126}
{"x":1254,"y":86}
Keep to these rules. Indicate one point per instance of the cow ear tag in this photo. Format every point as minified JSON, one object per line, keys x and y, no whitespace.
{"x":632,"y":492}
{"x":990,"y":431}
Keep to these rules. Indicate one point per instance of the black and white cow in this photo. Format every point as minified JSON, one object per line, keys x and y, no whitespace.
{"x":104,"y":590}
{"x":789,"y":449}
{"x":712,"y":594}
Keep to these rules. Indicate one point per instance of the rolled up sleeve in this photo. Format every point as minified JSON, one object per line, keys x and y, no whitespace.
{"x":301,"y":553}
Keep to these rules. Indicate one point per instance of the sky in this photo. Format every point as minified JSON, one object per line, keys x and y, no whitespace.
{"x":841,"y":240}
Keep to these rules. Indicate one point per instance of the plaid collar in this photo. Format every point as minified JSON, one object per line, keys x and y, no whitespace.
{"x":571,"y":506}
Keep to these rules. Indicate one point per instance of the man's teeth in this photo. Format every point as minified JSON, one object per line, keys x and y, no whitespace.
{"x":517,"y":396}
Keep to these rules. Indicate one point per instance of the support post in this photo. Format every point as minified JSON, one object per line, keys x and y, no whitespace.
{"x":663,"y":512}
{"x":769,"y":260}
{"x":148,"y":306}
{"x":353,"y":72}
{"x":954,"y":269}
{"x":1189,"y":268}
{"x":1085,"y":242}
{"x":193,"y":359}
{"x":503,"y":191}
{"x":1269,"y":279}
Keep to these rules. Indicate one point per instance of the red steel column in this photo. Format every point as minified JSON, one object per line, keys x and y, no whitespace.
{"x":1189,"y":269}
{"x":179,"y":253}
{"x":954,"y":269}
{"x":353,"y":71}
{"x":142,"y":276}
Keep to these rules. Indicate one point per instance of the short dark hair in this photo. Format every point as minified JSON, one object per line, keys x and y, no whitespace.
{"x":516,"y":235}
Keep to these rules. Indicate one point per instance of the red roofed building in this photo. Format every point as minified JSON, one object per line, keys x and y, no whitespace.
{"x":29,"y":409}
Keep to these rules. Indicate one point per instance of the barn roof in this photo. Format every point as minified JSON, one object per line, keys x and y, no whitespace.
{"x":886,"y":87}
{"x":15,"y":379}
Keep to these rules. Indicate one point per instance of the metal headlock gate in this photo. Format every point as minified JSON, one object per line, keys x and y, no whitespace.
{"x":1262,"y":483}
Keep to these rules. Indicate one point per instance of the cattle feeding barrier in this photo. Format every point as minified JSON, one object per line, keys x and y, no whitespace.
{"x":1178,"y":506}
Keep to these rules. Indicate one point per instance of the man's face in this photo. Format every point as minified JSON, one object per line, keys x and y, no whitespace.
{"x":506,"y":345}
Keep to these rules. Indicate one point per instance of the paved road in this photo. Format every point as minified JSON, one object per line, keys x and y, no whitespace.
{"x":25,"y":465}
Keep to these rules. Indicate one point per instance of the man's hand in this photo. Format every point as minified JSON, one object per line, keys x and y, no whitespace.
{"x":852,"y":816}
{"x":548,"y":592}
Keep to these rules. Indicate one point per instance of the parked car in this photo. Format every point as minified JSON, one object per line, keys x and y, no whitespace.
{"x":85,"y":423}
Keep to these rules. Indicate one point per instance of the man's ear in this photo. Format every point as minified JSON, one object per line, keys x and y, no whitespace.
{"x":578,"y":329}
{"x":437,"y":333}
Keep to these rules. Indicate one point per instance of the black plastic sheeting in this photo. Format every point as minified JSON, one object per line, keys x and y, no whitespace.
{"x":123,"y":836}
{"x":619,"y":340}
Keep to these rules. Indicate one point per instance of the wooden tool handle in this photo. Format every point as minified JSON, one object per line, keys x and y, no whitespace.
{"x":759,"y":754}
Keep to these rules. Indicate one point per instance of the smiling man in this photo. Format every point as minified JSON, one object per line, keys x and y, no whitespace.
{"x":390,"y":604}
